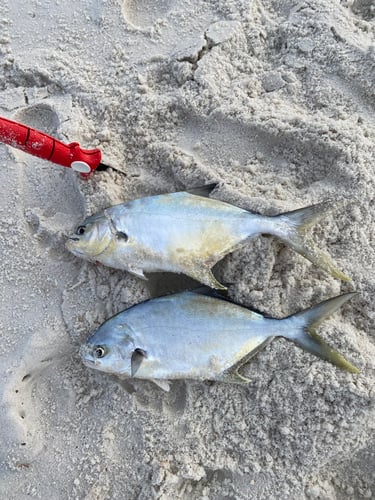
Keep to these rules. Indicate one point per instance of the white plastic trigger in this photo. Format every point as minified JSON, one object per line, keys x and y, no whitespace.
{"x":81,"y":166}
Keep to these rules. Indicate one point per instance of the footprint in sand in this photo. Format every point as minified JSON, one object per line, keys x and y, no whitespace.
{"x":20,"y":394}
{"x":364,"y":9}
{"x":39,"y":116}
{"x":25,"y":415}
{"x":296,"y":159}
{"x":53,"y":116}
{"x":143,"y":13}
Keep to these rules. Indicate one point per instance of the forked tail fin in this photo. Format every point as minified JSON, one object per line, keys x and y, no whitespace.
{"x":302,"y":331}
{"x":293,"y":233}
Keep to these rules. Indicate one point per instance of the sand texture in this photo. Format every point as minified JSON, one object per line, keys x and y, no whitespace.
{"x":273,"y":99}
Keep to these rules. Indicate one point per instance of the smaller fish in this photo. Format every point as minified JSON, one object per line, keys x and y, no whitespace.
{"x":187,"y":232}
{"x":200,"y":335}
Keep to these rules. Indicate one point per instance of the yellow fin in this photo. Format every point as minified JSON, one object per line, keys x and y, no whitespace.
{"x":307,"y":338}
{"x":204,"y":275}
{"x":298,"y":222}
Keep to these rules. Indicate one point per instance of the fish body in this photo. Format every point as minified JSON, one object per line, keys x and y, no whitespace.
{"x":186,"y":233}
{"x":194,"y":336}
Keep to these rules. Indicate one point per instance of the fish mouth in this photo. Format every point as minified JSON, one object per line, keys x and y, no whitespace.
{"x":71,"y":245}
{"x":84,"y":249}
{"x":69,"y":240}
{"x":89,"y":362}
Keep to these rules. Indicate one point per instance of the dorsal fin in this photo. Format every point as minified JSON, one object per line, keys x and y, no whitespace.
{"x":205,"y":190}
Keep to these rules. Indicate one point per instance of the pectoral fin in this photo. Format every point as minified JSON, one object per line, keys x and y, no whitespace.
{"x":136,"y":360}
{"x":137,"y":272}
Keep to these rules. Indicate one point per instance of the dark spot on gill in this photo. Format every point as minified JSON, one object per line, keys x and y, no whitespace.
{"x":141,"y":352}
{"x":122,"y":236}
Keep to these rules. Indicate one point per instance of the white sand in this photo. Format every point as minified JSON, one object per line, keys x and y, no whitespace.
{"x":274,"y":99}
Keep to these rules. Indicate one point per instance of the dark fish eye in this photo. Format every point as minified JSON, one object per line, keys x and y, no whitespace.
{"x":99,"y":351}
{"x":81,"y":230}
{"x":122,"y":236}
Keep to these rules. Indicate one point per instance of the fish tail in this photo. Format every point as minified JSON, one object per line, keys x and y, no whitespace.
{"x":302,"y":331}
{"x":292,"y":231}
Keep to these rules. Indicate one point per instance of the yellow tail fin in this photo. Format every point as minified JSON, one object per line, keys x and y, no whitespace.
{"x":297,"y":223}
{"x":306,"y":337}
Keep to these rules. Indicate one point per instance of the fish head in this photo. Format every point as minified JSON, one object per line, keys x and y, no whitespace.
{"x":110,"y":349}
{"x":90,"y":238}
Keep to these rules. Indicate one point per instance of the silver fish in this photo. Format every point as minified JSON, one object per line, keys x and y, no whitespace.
{"x":188,"y":233}
{"x":197,"y":335}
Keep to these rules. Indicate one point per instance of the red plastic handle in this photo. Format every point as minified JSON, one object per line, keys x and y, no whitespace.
{"x":44,"y":146}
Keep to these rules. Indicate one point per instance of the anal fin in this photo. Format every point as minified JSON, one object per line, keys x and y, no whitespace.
{"x":137,"y":272}
{"x":162,"y":383}
{"x":232,"y":376}
{"x":204,"y":275}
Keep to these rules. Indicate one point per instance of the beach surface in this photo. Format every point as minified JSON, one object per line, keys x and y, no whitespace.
{"x":274,"y":100}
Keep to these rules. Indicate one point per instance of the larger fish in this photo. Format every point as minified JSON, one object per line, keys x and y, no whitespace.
{"x":188,"y":233}
{"x":194,"y":336}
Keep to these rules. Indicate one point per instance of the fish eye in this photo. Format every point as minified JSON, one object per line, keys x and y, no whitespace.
{"x":99,"y":351}
{"x":81,"y":230}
